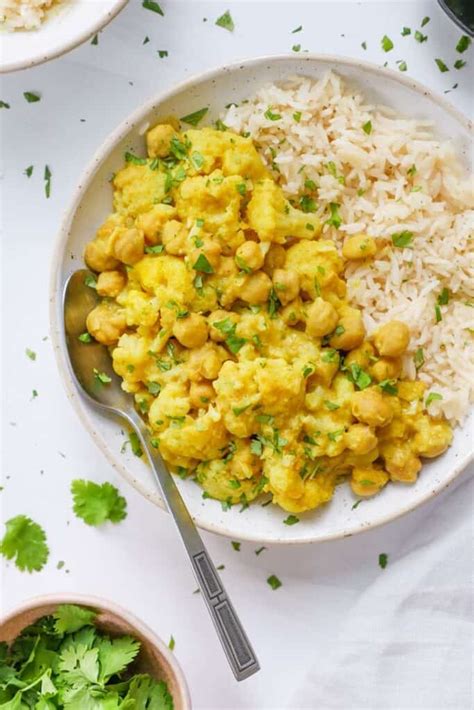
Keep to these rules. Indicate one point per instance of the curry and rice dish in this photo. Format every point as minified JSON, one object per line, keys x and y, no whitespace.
{"x":228,"y":307}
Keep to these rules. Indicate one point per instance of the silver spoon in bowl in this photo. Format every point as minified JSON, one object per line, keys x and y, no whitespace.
{"x":94,"y":377}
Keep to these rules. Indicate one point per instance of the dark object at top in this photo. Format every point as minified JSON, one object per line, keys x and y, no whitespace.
{"x":461,"y":12}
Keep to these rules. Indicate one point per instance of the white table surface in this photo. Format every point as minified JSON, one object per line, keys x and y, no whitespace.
{"x":340,"y":632}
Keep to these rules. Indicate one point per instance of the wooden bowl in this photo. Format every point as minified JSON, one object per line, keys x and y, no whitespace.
{"x":154,"y":658}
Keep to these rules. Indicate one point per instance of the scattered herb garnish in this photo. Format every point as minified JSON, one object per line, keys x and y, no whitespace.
{"x":85,"y":337}
{"x":153,"y":6}
{"x":146,"y":40}
{"x":419,"y":358}
{"x":162,"y":53}
{"x":95,"y":40}
{"x":101,"y":377}
{"x":47,"y":181}
{"x":308,"y":204}
{"x":274,"y":582}
{"x":226,"y":21}
{"x":202,"y":264}
{"x":297,"y":29}
{"x":356,"y":504}
{"x":389,"y":387}
{"x":171,"y":643}
{"x":443,"y":298}
{"x":367,"y":127}
{"x":25,"y":543}
{"x":463,"y":44}
{"x":402,"y":239}
{"x":90,"y":281}
{"x":420,"y":37}
{"x":272,"y":116}
{"x":432,"y":397}
{"x":402,"y":66}
{"x":405,"y":31}
{"x":335,"y":220}
{"x":386,"y":43}
{"x":459,"y":64}
{"x":156,"y":249}
{"x":358,"y":376}
{"x":291,"y":520}
{"x":425,"y":21}
{"x":364,"y":45}
{"x":438,"y":316}
{"x":383,"y":559}
{"x":29,"y":171}
{"x":194,"y":118}
{"x":441,"y":66}
{"x":3,"y":104}
{"x":95,"y":503}
{"x":31,"y":97}
{"x":235,"y":545}
{"x":260,"y":550}
{"x":296,"y":48}
{"x":30,"y":354}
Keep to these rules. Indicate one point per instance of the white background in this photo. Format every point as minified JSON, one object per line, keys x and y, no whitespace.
{"x":341,"y":632}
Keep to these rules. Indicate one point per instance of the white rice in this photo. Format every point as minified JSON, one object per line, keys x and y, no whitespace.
{"x":398,"y":283}
{"x":23,"y":14}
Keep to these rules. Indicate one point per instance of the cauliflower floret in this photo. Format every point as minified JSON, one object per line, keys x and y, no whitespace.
{"x":203,"y":438}
{"x":235,"y":154}
{"x":273,"y":218}
{"x":318,"y":265}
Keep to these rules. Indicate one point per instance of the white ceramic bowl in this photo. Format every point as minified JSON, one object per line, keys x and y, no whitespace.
{"x":154,"y":658}
{"x":92,"y":202}
{"x":66,"y":26}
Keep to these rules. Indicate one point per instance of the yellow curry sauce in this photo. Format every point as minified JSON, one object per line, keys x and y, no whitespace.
{"x":226,"y":317}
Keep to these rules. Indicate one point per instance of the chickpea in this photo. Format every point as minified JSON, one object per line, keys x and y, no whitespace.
{"x":392,"y":338}
{"x":287,"y":285}
{"x":158,"y":140}
{"x":205,"y":363}
{"x":218,"y":316}
{"x":360,"y":356}
{"x":400,"y":462}
{"x":274,"y":259}
{"x":97,"y":257}
{"x":432,"y":437}
{"x":249,"y":255}
{"x":211,"y":250}
{"x":368,"y":481}
{"x":106,"y":323}
{"x":360,"y":246}
{"x":350,"y":331}
{"x":173,"y":237}
{"x":110,"y":283}
{"x":321,"y":318}
{"x":200,"y":394}
{"x":386,"y":368}
{"x":369,"y":407}
{"x":191,"y":331}
{"x":256,"y":288}
{"x":360,"y":439}
{"x":129,"y":246}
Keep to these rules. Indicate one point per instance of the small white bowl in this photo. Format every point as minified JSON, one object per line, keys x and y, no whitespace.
{"x":154,"y":658}
{"x":67,"y":25}
{"x":92,"y":202}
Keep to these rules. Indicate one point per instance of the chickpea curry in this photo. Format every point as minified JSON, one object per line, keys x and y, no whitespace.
{"x":226,"y":316}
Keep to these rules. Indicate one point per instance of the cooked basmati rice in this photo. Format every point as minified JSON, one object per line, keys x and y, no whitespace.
{"x":389,"y":177}
{"x":23,"y":14}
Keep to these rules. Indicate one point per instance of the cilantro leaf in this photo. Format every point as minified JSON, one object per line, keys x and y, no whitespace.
{"x":25,"y":542}
{"x":194,"y":118}
{"x":226,"y":21}
{"x":115,"y":655}
{"x":441,"y":65}
{"x":146,"y":692}
{"x":153,"y":6}
{"x":386,"y":43}
{"x":31,"y":97}
{"x":291,"y":520}
{"x":70,"y":618}
{"x":95,"y":503}
{"x":274,"y":582}
{"x":463,"y":44}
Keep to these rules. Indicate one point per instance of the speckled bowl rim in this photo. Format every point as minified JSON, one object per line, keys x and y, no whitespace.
{"x":106,"y":604}
{"x":62,"y":49}
{"x":56,"y":329}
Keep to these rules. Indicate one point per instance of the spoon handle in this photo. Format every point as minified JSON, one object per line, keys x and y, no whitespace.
{"x":238,"y":650}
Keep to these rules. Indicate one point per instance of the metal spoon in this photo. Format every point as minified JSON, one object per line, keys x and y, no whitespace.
{"x":92,"y":372}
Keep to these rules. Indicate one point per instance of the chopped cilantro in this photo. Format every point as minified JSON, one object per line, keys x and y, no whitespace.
{"x":242,"y":264}
{"x":273,"y":304}
{"x":234,"y":483}
{"x":402,"y":66}
{"x":459,"y":64}
{"x":146,"y":40}
{"x":29,"y":171}
{"x":31,"y":97}
{"x":308,"y":204}
{"x":202,"y":264}
{"x":272,"y":116}
{"x":364,"y":45}
{"x":438,"y":316}
{"x":156,"y":249}
{"x":432,"y":397}
{"x":296,"y":48}
{"x":335,"y":219}
{"x":256,"y":447}
{"x":383,"y":559}
{"x":131,"y":158}
{"x":95,"y":40}
{"x":358,"y":376}
{"x":25,"y":543}
{"x":405,"y":31}
{"x":260,"y":550}
{"x":154,"y":388}
{"x":178,"y":149}
{"x":234,"y":343}
{"x":291,"y":520}
{"x":356,"y":504}
{"x":274,"y":582}
{"x":153,"y":6}
{"x":441,"y":65}
{"x":425,"y":21}
{"x":226,"y":21}
{"x":332,"y":406}
{"x":241,"y":188}
{"x":402,"y":239}
{"x":85,"y":338}
{"x":333,"y":435}
{"x":235,"y":545}
{"x":171,"y":643}
{"x":297,"y":29}
{"x":101,"y":377}
{"x":239,"y":410}
{"x":264,"y":418}
{"x":47,"y":181}
{"x":463,"y":44}
{"x":194,"y":118}
{"x":162,"y":53}
{"x":90,"y":281}
{"x":386,"y":43}
{"x":367,"y":127}
{"x":443,"y":297}
{"x":3,"y":104}
{"x":419,"y":358}
{"x":420,"y":37}
{"x":30,"y":353}
{"x":411,"y":171}
{"x":389,"y":387}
